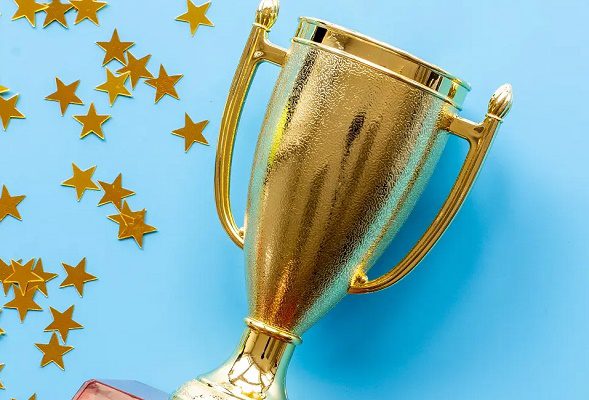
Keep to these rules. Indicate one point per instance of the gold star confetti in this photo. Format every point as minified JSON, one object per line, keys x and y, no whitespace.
{"x":81,"y":180}
{"x":132,"y":224}
{"x":5,"y":271}
{"x":164,"y":84}
{"x":45,"y":276}
{"x":8,"y":204}
{"x":53,"y":352}
{"x":192,"y":132}
{"x":87,"y":9}
{"x":24,"y":303}
{"x":3,"y":89}
{"x":195,"y":16}
{"x":63,"y":322}
{"x":115,"y":49}
{"x":28,"y":9}
{"x":77,"y":276}
{"x":114,"y":192}
{"x":137,"y":68}
{"x":115,"y":86}
{"x":56,"y":11}
{"x":22,"y":275}
{"x":8,"y":110}
{"x":2,"y":385}
{"x":92,"y":122}
{"x":65,"y":95}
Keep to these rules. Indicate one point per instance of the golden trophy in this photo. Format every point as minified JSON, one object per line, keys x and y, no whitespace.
{"x":352,"y":134}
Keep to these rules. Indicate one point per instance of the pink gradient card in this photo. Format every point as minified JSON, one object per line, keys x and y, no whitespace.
{"x":118,"y":390}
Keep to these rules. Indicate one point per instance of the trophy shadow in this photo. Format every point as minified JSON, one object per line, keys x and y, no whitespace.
{"x":390,"y":328}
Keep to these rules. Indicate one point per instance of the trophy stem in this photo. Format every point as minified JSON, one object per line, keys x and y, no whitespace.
{"x":256,"y":371}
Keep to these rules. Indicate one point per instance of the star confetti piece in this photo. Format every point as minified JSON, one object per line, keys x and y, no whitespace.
{"x":81,"y":180}
{"x":56,"y":11}
{"x":45,"y":276}
{"x":63,"y":322}
{"x":192,"y":132}
{"x":1,"y":384}
{"x":28,"y":9}
{"x":115,"y":86}
{"x":87,"y":9}
{"x":9,"y":111}
{"x":22,"y":275}
{"x":3,"y":89}
{"x":114,"y":192}
{"x":132,"y":224}
{"x":77,"y":276}
{"x":24,"y":303}
{"x":195,"y":16}
{"x":164,"y":84}
{"x":8,"y":204}
{"x":53,"y":352}
{"x":137,"y":68}
{"x":65,"y":95}
{"x":5,"y":271}
{"x":115,"y":49}
{"x":92,"y":122}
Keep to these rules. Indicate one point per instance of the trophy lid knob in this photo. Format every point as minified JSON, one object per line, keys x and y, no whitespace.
{"x":267,"y":13}
{"x":501,"y":101}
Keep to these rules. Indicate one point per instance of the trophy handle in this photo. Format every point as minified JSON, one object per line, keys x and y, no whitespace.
{"x":257,"y":49}
{"x":479,"y":136}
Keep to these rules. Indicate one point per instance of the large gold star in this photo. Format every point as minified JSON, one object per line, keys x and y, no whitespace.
{"x":137,"y":68}
{"x":77,"y":276}
{"x":92,"y":122}
{"x":53,"y":352}
{"x":56,"y":11}
{"x":87,"y":9}
{"x":115,"y":86}
{"x":8,"y":204}
{"x":63,"y":322}
{"x":22,"y":275}
{"x":8,"y":110}
{"x":195,"y":16}
{"x":132,"y":224}
{"x":24,"y":303}
{"x":65,"y":95}
{"x":45,"y":276}
{"x":192,"y":132}
{"x":115,"y":49}
{"x":81,"y":180}
{"x":114,"y":192}
{"x":164,"y":84}
{"x":28,"y":9}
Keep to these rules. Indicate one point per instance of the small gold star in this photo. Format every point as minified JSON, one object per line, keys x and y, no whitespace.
{"x":3,"y":89}
{"x":115,"y":86}
{"x":28,"y":9}
{"x":1,"y":384}
{"x":192,"y":132}
{"x":8,"y":110}
{"x":164,"y":84}
{"x":87,"y":9}
{"x":65,"y":95}
{"x":22,"y":275}
{"x":45,"y":276}
{"x":5,"y":271}
{"x":114,"y":192}
{"x":195,"y":16}
{"x":132,"y":224}
{"x":53,"y":352}
{"x":81,"y":180}
{"x":77,"y":276}
{"x":92,"y":122}
{"x":63,"y":322}
{"x":24,"y":303}
{"x":137,"y":68}
{"x":8,"y":204}
{"x":56,"y":11}
{"x":115,"y":49}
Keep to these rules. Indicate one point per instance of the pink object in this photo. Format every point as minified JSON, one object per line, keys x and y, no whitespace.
{"x":118,"y":390}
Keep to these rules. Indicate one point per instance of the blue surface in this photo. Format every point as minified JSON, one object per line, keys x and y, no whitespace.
{"x":499,"y":309}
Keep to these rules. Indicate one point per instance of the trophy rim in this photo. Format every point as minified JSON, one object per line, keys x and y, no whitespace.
{"x":392,"y":60}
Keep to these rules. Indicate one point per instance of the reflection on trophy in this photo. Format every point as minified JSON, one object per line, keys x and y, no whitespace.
{"x":351,"y":136}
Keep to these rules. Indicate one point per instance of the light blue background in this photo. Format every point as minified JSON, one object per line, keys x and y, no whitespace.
{"x":499,"y":309}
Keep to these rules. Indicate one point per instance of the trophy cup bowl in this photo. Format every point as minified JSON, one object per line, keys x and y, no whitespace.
{"x":351,"y":136}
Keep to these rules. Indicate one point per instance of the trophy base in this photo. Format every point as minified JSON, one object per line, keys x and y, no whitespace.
{"x":197,"y":390}
{"x":118,"y":390}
